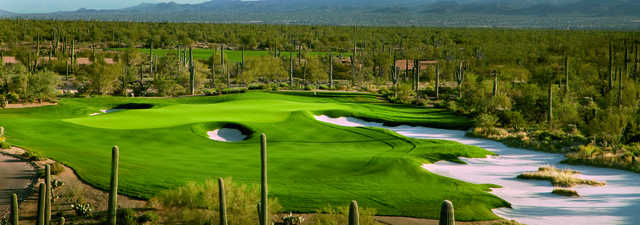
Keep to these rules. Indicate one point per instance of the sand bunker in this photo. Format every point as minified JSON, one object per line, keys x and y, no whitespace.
{"x":532,"y":201}
{"x":104,"y":111}
{"x":227,"y":135}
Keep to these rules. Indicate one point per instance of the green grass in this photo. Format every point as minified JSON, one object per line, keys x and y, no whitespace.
{"x":311,"y":164}
{"x":233,"y":55}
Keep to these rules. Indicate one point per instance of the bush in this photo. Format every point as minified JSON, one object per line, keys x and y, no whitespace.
{"x":284,"y":85}
{"x":233,"y":90}
{"x":210,"y":92}
{"x":309,"y":87}
{"x":32,"y":156}
{"x":486,"y":121}
{"x":57,"y":168}
{"x":324,"y":87}
{"x":197,"y":203}
{"x":257,"y":87}
{"x":5,"y":145}
{"x":82,"y":209}
{"x":148,"y":217}
{"x":514,"y":119}
{"x":126,"y":217}
{"x":13,"y":97}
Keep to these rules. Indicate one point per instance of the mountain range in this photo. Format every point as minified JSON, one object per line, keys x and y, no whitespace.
{"x":585,"y":14}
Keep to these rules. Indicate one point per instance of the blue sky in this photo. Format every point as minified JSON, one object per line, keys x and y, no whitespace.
{"x":39,"y":6}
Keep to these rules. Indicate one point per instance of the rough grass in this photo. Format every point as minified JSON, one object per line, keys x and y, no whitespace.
{"x":311,"y":164}
{"x":559,"y":177}
{"x":198,"y":203}
{"x":565,"y":192}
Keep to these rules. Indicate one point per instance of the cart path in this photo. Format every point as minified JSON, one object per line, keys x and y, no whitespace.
{"x":15,"y":177}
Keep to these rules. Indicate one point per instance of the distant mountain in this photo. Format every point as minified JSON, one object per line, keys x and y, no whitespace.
{"x":4,"y":13}
{"x":468,"y":13}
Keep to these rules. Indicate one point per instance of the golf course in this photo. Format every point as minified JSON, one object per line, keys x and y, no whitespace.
{"x":164,"y":144}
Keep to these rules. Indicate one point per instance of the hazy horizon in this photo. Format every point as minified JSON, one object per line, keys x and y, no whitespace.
{"x":47,"y":6}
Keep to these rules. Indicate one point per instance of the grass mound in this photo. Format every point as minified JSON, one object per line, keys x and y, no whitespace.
{"x":559,"y":177}
{"x":565,"y":192}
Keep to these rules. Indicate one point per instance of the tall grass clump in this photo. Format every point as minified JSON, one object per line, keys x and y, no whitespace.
{"x":198,"y":203}
{"x":559,"y":177}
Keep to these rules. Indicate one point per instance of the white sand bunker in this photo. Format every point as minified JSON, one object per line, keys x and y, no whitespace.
{"x":104,"y":111}
{"x":533,"y":203}
{"x":227,"y":135}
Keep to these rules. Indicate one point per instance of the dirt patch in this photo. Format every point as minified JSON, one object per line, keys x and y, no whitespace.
{"x":29,"y":105}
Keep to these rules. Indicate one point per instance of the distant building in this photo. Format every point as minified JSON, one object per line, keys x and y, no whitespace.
{"x":424,"y":64}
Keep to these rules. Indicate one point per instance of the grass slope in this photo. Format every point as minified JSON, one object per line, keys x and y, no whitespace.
{"x":311,"y":164}
{"x":233,"y":55}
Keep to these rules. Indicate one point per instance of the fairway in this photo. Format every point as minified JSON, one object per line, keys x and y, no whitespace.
{"x":311,"y":164}
{"x":232,"y":55}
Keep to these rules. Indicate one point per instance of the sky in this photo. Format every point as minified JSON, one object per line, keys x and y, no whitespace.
{"x":42,"y":6}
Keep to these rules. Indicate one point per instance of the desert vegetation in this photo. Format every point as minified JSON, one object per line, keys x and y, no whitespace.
{"x":559,"y":177}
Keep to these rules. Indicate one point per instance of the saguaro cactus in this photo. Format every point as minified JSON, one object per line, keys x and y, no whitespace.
{"x":566,"y":75}
{"x":151,"y":58}
{"x":460,"y":75}
{"x":330,"y":71}
{"x":113,"y":194}
{"x":495,"y":83}
{"x":437,"y":81}
{"x":264,"y":211}
{"x":354,"y":214}
{"x":192,"y":71}
{"x":222,"y":200}
{"x":291,"y":68}
{"x":550,"y":106}
{"x":610,"y":66}
{"x":47,"y":206}
{"x":41,"y":203}
{"x":15,"y":213}
{"x":446,"y":213}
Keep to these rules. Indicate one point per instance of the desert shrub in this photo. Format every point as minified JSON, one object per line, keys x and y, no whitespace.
{"x":5,"y":145}
{"x":257,"y":87}
{"x":13,"y":97}
{"x":513,"y":119}
{"x":309,"y":87}
{"x":486,"y":120}
{"x":126,"y":217}
{"x":148,"y":217}
{"x":291,"y":220}
{"x":209,"y":92}
{"x":57,"y":168}
{"x":82,"y":209}
{"x":197,"y":203}
{"x":405,"y":94}
{"x":340,"y":215}
{"x":233,"y":90}
{"x":32,"y":156}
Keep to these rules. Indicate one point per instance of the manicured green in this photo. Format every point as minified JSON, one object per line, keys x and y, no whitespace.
{"x":311,"y":164}
{"x":233,"y":55}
